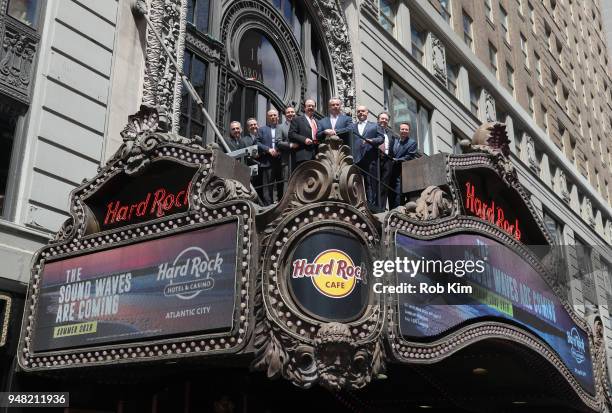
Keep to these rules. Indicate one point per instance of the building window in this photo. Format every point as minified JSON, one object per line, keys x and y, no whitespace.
{"x":198,"y":14}
{"x":493,"y":59}
{"x":452,"y":73}
{"x":26,"y":11}
{"x":7,"y":141}
{"x":488,"y":9}
{"x":555,"y":228}
{"x":510,"y":75}
{"x":467,"y":30}
{"x":318,"y":76}
{"x":259,"y":61}
{"x":544,"y":119}
{"x":532,"y":17}
{"x":445,"y":10}
{"x":525,"y":51}
{"x":404,"y":108}
{"x":388,"y":11}
{"x":293,"y":14}
{"x":583,"y":258}
{"x":192,"y":120}
{"x":418,"y":43}
{"x":474,"y":99}
{"x":538,"y":67}
{"x":503,"y":16}
{"x":530,"y":102}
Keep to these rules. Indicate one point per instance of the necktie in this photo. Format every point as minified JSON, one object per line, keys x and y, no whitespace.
{"x":313,"y":126}
{"x":273,"y":133}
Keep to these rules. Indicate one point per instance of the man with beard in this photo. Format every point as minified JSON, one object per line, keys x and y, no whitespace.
{"x":367,"y":136}
{"x":386,"y":159}
{"x":336,"y":123}
{"x":404,"y":149}
{"x":303,"y":131}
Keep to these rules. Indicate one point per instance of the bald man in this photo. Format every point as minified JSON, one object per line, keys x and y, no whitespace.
{"x":336,"y":123}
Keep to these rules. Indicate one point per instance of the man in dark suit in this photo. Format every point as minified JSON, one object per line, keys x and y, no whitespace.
{"x":270,"y":146}
{"x":303,"y":131}
{"x":288,"y":155}
{"x":404,"y":149}
{"x":336,"y":123}
{"x":386,"y":158}
{"x":250,"y":138}
{"x":367,"y":136}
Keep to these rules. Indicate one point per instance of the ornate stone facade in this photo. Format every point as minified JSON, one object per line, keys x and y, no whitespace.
{"x":162,"y":85}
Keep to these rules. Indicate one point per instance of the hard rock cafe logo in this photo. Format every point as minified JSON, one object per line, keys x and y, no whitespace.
{"x":190,"y":273}
{"x":577,"y":345}
{"x":333,"y":273}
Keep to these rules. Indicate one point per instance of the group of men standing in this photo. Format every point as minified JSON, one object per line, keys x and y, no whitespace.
{"x":376,"y":149}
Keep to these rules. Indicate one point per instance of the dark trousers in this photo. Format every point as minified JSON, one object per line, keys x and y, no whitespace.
{"x":395,"y":198}
{"x":386,"y":186}
{"x":370,"y":170}
{"x":271,"y":177}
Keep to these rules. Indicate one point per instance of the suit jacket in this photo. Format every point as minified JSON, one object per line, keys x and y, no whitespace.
{"x":405,"y":150}
{"x":299,"y":131}
{"x":234,"y":144}
{"x":364,"y":152}
{"x":344,"y":124}
{"x":392,"y":138}
{"x":264,"y":144}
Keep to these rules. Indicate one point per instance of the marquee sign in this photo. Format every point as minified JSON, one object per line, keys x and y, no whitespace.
{"x":162,"y":190}
{"x":508,"y":288}
{"x":485,"y":195}
{"x":155,"y":262}
{"x":177,"y":285}
{"x":481,"y":205}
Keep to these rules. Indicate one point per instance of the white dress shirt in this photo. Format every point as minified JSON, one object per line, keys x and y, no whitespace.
{"x":361,"y":127}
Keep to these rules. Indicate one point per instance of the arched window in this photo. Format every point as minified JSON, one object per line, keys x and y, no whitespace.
{"x":259,"y":61}
{"x":273,"y":55}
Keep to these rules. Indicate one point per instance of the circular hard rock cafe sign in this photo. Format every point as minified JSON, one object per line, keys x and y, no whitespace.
{"x":327,"y":275}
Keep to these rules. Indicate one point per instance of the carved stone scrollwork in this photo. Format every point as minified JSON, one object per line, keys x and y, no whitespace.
{"x":65,"y":231}
{"x":561,"y":188}
{"x":588,"y":212}
{"x":17,"y":55}
{"x":207,"y":45}
{"x":434,"y":203}
{"x":336,"y":360}
{"x":532,"y":160}
{"x":335,"y":29}
{"x":438,"y":59}
{"x":218,"y":190}
{"x":489,"y":105}
{"x":162,"y":85}
{"x":141,"y":135}
{"x":331,"y":177}
{"x":492,"y":139}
